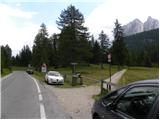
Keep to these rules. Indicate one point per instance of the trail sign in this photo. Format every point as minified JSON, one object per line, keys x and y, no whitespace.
{"x":44,"y":68}
{"x":109,"y":57}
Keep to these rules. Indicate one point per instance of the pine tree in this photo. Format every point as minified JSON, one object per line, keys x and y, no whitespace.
{"x":6,"y":54}
{"x":119,"y":50}
{"x":104,"y":44}
{"x":73,"y":41}
{"x":96,"y":53}
{"x":25,"y":56}
{"x":41,"y":48}
{"x":54,"y":58}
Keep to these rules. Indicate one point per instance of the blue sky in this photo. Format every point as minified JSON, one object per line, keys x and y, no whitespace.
{"x":48,"y":12}
{"x":21,"y":19}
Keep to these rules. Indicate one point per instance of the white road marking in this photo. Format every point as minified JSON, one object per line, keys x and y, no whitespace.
{"x":42,"y":110}
{"x":5,"y":77}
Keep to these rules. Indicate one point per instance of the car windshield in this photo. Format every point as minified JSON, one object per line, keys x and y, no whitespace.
{"x":53,"y":74}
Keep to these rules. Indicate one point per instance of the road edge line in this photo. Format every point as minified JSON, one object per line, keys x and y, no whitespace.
{"x":42,"y":110}
{"x":5,"y":77}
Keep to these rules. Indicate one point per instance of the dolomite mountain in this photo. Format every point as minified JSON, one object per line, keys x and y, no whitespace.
{"x":137,"y":26}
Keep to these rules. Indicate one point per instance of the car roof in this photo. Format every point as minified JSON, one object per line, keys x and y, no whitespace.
{"x":151,"y":81}
{"x":53,"y":72}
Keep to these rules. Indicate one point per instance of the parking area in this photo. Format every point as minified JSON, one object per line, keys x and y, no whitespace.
{"x":76,"y":101}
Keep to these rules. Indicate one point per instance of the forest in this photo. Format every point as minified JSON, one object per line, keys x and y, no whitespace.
{"x":76,"y":44}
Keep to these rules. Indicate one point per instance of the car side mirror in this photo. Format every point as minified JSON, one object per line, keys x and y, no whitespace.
{"x":109,"y":106}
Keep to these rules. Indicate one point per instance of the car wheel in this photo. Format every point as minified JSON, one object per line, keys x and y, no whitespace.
{"x":48,"y":82}
{"x":96,"y":116}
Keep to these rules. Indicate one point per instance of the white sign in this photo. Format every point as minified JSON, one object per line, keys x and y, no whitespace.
{"x":109,"y":57}
{"x":43,"y":69}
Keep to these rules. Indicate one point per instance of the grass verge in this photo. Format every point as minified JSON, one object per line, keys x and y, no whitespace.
{"x":5,"y":72}
{"x":138,"y":73}
{"x":134,"y":74}
{"x":16,"y":68}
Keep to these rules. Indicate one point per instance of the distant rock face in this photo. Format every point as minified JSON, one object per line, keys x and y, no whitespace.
{"x":133,"y":27}
{"x":151,"y":24}
{"x":137,"y":26}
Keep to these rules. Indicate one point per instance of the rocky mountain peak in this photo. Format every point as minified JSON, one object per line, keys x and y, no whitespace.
{"x":151,"y":24}
{"x":137,"y":26}
{"x":133,"y":27}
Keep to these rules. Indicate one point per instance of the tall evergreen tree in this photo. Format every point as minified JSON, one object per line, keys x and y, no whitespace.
{"x":104,"y":44}
{"x":41,"y":48}
{"x":54,"y":58}
{"x":25,"y":56}
{"x":6,"y":54}
{"x":73,"y":41}
{"x":119,"y":50}
{"x":96,"y":53}
{"x":92,"y":41}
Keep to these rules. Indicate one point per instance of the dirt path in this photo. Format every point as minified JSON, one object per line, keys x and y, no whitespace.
{"x":114,"y":78}
{"x":77,"y":101}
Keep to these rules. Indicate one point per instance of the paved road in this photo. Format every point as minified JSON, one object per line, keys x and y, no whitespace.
{"x":23,"y":97}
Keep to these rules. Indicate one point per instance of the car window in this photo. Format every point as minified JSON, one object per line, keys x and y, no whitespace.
{"x":137,"y":102}
{"x":54,"y":74}
{"x":111,"y":97}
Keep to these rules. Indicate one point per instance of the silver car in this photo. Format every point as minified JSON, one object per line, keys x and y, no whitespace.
{"x":54,"y":77}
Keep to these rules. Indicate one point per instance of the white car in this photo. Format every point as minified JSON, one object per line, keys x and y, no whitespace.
{"x":54,"y":77}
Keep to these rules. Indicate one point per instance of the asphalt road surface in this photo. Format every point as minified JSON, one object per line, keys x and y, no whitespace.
{"x":23,"y":97}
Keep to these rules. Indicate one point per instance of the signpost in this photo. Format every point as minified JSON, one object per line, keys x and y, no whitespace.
{"x":109,"y":60}
{"x":74,"y":77}
{"x":44,"y":68}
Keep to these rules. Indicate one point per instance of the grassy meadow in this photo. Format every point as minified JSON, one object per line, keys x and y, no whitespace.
{"x":93,"y":74}
{"x":139,"y":73}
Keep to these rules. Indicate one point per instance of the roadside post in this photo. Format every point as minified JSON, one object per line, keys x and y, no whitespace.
{"x":102,"y":86}
{"x":109,"y":60}
{"x":74,"y":76}
{"x":44,"y":68}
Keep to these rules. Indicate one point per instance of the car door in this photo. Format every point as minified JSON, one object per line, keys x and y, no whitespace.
{"x":137,"y":102}
{"x":106,"y":104}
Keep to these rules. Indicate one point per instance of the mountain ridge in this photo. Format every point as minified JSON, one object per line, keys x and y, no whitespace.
{"x":136,"y":26}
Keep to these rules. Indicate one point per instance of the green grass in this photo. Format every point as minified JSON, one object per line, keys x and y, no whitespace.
{"x":91,"y":74}
{"x":134,"y":74}
{"x":16,"y":68}
{"x":138,"y":73}
{"x":5,"y":72}
{"x":39,"y":76}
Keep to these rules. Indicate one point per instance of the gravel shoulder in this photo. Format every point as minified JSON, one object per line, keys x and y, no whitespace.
{"x":77,"y":102}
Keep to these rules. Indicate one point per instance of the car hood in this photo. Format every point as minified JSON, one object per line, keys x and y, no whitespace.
{"x":55,"y":77}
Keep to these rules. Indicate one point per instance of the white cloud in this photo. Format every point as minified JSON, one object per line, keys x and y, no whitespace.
{"x":12,"y":34}
{"x":5,"y":10}
{"x":104,"y":16}
{"x":52,"y":29}
{"x":15,"y":35}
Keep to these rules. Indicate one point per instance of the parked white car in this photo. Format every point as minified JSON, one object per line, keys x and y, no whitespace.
{"x":54,"y":77}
